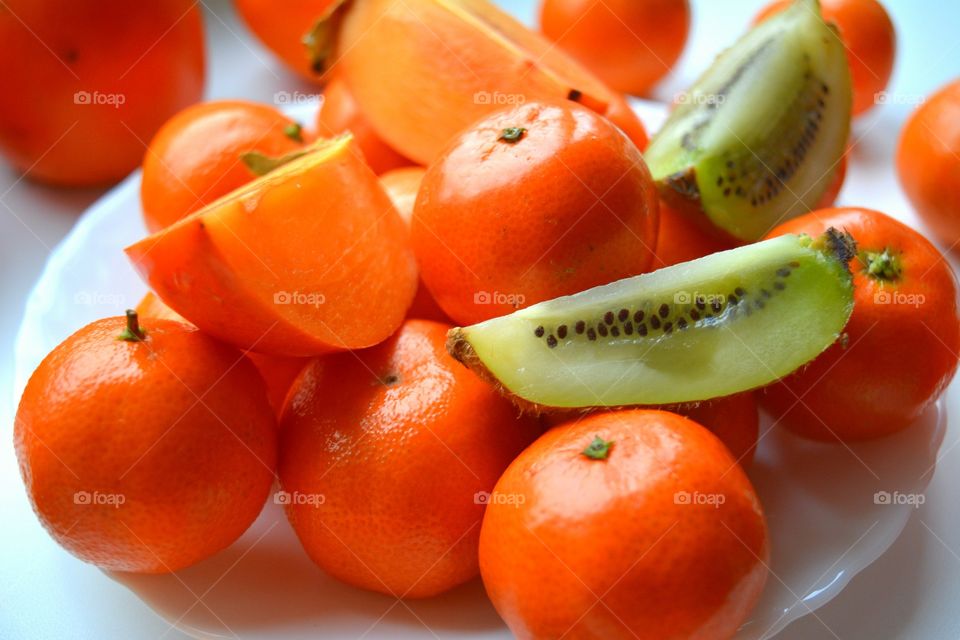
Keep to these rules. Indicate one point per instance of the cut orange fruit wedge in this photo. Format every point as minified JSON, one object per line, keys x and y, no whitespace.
{"x":308,"y":259}
{"x":422,"y":70}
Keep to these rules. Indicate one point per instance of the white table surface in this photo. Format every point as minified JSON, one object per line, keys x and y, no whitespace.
{"x":911,"y":592}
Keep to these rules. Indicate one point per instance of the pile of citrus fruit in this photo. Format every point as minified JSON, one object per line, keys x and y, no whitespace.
{"x":472,"y":324}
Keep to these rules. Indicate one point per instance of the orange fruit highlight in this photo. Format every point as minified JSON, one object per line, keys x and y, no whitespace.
{"x":629,"y":44}
{"x":195,"y":158}
{"x":422,"y":70}
{"x":388,"y":455}
{"x":928,"y":162}
{"x":87,"y":84}
{"x":531,"y":203}
{"x":644,"y":510}
{"x":145,"y":455}
{"x":339,"y":112}
{"x":870,"y":38}
{"x":310,"y":258}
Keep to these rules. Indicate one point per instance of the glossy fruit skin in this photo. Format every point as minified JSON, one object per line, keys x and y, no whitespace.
{"x":195,"y":158}
{"x":870,"y":39}
{"x":104,"y":416}
{"x":282,"y":27}
{"x":501,"y":225}
{"x":626,"y":530}
{"x":290,"y":264}
{"x":85,"y":85}
{"x":402,"y":186}
{"x":339,"y":112}
{"x":629,"y":44}
{"x":423,"y":70}
{"x":928,"y":162}
{"x":401,"y":441}
{"x":734,"y":419}
{"x":901,"y":341}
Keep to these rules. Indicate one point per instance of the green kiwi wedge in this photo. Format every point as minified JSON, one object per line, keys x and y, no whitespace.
{"x":759,"y":136}
{"x":718,"y":325}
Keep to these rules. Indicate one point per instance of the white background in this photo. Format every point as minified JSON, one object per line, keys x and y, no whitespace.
{"x":911,"y":592}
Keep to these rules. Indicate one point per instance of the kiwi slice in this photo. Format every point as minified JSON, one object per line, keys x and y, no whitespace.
{"x":759,"y":136}
{"x":715,"y":326}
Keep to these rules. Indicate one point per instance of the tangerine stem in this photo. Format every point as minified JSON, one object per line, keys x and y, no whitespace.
{"x":512,"y":134}
{"x":599,"y":449}
{"x":132,"y":332}
{"x":882,"y":265}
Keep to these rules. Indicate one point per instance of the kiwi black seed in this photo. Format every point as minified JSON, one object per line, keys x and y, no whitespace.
{"x":666,"y":317}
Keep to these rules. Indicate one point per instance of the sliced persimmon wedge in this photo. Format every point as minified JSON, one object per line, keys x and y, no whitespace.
{"x":422,"y":70}
{"x":310,"y":258}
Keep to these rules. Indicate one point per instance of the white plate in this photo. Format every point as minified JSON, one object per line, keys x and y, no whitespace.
{"x":826,"y":523}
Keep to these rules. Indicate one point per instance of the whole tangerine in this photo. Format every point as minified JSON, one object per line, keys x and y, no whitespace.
{"x":145,"y":449}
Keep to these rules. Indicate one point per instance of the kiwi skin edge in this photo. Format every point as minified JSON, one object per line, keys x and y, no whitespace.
{"x":839,"y":244}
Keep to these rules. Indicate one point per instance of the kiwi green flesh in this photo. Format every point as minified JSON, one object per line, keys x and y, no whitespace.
{"x":715,"y":326}
{"x":761,"y":133}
